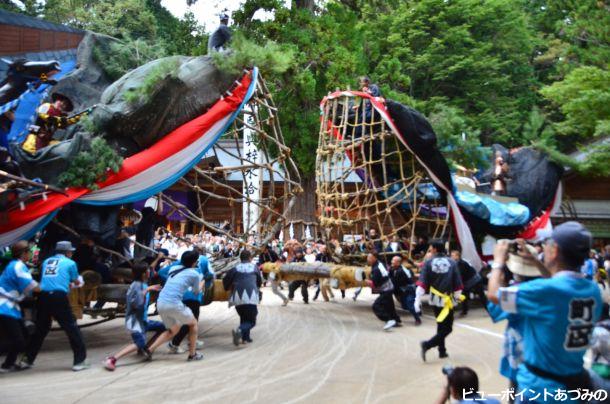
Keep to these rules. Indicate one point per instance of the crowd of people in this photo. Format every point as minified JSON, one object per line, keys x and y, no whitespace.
{"x":549,"y":294}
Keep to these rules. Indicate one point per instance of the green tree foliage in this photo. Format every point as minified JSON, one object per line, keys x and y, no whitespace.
{"x":459,"y":142}
{"x":91,"y":166}
{"x":328,"y":54}
{"x":179,"y":37}
{"x":27,"y":7}
{"x":583,"y":97}
{"x":470,"y":54}
{"x":121,"y":18}
{"x":119,"y":57}
{"x":270,"y":57}
{"x":130,"y":20}
{"x":164,"y":69}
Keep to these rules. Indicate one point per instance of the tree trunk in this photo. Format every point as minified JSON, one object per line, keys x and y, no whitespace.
{"x":308,"y":4}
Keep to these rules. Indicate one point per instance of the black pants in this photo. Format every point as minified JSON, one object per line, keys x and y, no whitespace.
{"x":384,"y":308}
{"x":55,"y":305}
{"x":477,"y":289}
{"x":247,"y":319}
{"x":184,"y":330}
{"x":442,"y":331}
{"x":294,"y":285}
{"x":15,"y":334}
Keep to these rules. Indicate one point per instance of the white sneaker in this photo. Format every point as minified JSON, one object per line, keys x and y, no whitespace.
{"x":24,"y":364}
{"x":389,"y":324}
{"x":175,"y":349}
{"x":81,"y":366}
{"x":200,"y":344}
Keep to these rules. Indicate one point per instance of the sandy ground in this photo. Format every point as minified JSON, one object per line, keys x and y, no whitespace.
{"x":318,"y":353}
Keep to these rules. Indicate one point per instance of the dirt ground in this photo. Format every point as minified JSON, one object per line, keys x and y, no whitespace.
{"x":318,"y":353}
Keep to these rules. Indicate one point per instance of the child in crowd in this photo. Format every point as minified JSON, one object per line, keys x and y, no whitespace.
{"x":136,"y":316}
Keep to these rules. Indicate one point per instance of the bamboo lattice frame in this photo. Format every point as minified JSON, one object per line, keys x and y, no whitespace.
{"x":352,"y":141}
{"x":283,"y":180}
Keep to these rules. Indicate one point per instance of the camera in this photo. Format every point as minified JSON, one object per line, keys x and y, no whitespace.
{"x":447,"y":370}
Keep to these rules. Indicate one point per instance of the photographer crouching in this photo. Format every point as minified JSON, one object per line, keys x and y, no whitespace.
{"x":462,"y":385}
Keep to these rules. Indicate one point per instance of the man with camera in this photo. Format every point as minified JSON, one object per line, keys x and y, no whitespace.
{"x":558,"y":313}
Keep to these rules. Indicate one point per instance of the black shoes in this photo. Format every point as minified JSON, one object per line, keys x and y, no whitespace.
{"x":423,"y":350}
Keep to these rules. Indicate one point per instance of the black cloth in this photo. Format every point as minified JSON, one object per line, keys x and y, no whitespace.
{"x":84,"y":257}
{"x":384,"y":308}
{"x":443,"y":329}
{"x":441,"y":273}
{"x":247,"y":319}
{"x":404,"y":289}
{"x":467,"y":272}
{"x":402,"y":278}
{"x":184,"y":330}
{"x":294,"y":285}
{"x":421,"y":139}
{"x":56,"y":305}
{"x":15,"y":334}
{"x":320,"y":257}
{"x":220,"y":37}
{"x":420,"y":248}
{"x":478,"y":291}
{"x":381,"y":278}
{"x":581,"y":380}
{"x":145,"y":232}
{"x":269,"y":256}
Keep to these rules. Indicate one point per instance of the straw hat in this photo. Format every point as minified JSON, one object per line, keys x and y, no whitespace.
{"x":523,"y":266}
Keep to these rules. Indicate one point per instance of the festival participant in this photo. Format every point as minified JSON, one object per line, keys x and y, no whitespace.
{"x":404,"y":287}
{"x":51,"y":116}
{"x":15,"y":284}
{"x":59,"y":275}
{"x":380,"y":281}
{"x":136,"y":316}
{"x":221,"y":36}
{"x":294,"y":285}
{"x":374,"y":242}
{"x":473,"y":283}
{"x":244,"y":282}
{"x":324,"y":284}
{"x":367,"y":87}
{"x":193,"y":302}
{"x":172,"y":310}
{"x":268,"y":255}
{"x":420,"y":247}
{"x":309,"y":256}
{"x":589,"y":267}
{"x":441,"y":279}
{"x":463,"y":385}
{"x":523,"y":267}
{"x":394,"y":247}
{"x":500,"y":175}
{"x":558,"y":314}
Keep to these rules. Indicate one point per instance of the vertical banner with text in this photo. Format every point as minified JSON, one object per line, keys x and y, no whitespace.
{"x":252,"y":175}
